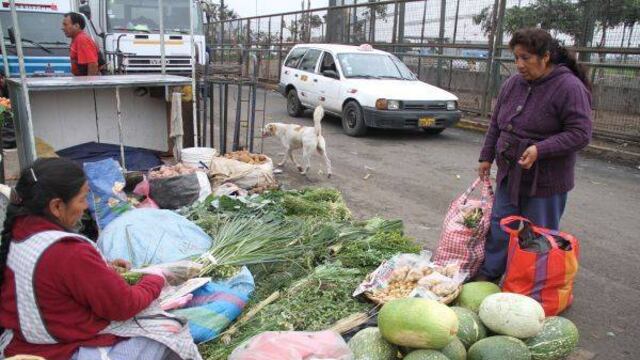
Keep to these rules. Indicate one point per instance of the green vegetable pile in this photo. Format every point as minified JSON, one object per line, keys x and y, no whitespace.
{"x":310,"y":282}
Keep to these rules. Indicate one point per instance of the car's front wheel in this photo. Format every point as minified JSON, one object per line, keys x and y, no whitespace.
{"x":294,"y":107}
{"x":353,"y":119}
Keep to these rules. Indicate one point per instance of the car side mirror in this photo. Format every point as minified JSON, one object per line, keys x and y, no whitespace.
{"x":331,"y":74}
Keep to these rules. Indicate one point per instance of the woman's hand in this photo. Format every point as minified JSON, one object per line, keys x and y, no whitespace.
{"x":528,"y":157}
{"x":484,"y":170}
{"x":120,"y":263}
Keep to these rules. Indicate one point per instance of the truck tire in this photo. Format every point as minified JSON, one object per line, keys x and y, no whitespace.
{"x":353,"y":120}
{"x":294,"y":107}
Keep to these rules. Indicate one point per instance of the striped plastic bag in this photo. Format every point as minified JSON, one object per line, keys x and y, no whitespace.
{"x":546,"y":276}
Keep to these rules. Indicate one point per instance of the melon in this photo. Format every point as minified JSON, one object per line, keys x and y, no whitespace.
{"x":425,"y":355}
{"x":512,"y":315}
{"x":470,"y":328}
{"x":473,"y":293}
{"x":499,"y":348}
{"x":558,"y":338}
{"x":417,"y":323}
{"x":368,"y":344}
{"x":455,"y":350}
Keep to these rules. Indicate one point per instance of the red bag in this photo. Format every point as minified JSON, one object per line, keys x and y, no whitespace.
{"x":545,"y":276}
{"x":459,"y":243}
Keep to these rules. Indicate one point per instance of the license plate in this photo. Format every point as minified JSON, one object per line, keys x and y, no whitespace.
{"x":157,"y":61}
{"x":426,"y":122}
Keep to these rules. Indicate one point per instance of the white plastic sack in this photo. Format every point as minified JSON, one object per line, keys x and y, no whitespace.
{"x":246,"y":176}
{"x":294,"y":345}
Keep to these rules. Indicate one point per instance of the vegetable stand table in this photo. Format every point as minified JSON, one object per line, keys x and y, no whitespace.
{"x":66,"y":111}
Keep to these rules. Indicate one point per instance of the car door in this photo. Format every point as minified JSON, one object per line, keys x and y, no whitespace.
{"x":290,"y":67}
{"x":307,"y":78}
{"x":328,"y":86}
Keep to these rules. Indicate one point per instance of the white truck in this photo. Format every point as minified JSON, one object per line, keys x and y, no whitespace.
{"x":130,"y":34}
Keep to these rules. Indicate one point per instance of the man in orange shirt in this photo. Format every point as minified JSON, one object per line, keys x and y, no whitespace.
{"x":84,"y":51}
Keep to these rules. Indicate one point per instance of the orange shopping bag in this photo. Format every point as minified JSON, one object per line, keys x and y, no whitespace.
{"x":547,"y":276}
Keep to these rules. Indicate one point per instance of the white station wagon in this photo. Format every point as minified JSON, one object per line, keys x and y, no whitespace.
{"x":365,"y":87}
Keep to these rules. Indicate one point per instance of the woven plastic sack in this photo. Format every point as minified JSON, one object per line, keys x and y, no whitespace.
{"x":546,"y":276}
{"x":458,"y":242}
{"x":107,"y":199}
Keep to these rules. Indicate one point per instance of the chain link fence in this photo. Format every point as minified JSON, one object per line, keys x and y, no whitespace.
{"x":460,"y":45}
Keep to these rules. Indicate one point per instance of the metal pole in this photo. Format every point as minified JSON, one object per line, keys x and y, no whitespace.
{"x":443,"y":14}
{"x":424,"y":21}
{"x":194,"y":90}
{"x":120,"y":131}
{"x":254,"y":93}
{"x":236,"y":127}
{"x":280,"y":49}
{"x":453,"y":41}
{"x":30,"y":146}
{"x":5,"y":55}
{"x":495,"y":78}
{"x":486,"y":106}
{"x":163,"y":67}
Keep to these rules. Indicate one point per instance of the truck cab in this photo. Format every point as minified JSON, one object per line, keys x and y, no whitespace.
{"x":130,"y":33}
{"x":45,"y":47}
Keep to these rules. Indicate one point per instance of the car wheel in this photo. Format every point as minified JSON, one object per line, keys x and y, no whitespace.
{"x":432,"y":131}
{"x":353,"y":119}
{"x":294,"y":107}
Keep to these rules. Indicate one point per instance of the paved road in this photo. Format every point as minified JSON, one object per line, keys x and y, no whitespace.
{"x":414,"y":177}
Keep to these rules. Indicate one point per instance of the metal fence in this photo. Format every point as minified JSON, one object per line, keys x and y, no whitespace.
{"x":461,"y":45}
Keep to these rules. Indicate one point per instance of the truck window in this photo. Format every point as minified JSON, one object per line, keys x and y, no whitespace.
{"x":294,"y":57}
{"x":41,"y":27}
{"x":143,"y":15}
{"x":310,"y":60}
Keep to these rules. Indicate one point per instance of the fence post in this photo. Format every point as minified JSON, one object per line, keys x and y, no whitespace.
{"x":495,"y":81}
{"x":424,"y":20}
{"x":245,"y":53}
{"x":395,"y":25}
{"x":372,"y":23}
{"x":269,"y":50}
{"x":486,"y":97}
{"x":443,"y":13}
{"x":280,"y":47}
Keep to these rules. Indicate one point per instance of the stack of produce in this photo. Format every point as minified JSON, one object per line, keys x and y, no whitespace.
{"x":171,"y":171}
{"x":247,"y":157}
{"x":322,"y":257}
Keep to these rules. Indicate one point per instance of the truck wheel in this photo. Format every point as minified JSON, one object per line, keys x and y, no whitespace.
{"x":432,"y":131}
{"x":294,"y":107}
{"x":353,"y":120}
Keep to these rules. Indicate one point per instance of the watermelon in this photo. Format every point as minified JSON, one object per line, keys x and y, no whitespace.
{"x":470,"y":328}
{"x":425,"y":355}
{"x":368,"y":344}
{"x":512,"y":315}
{"x":473,"y":293}
{"x":417,"y":323}
{"x":499,"y":348}
{"x":558,"y":338}
{"x":455,"y":350}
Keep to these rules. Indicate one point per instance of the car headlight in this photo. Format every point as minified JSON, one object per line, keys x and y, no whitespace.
{"x":393,"y":105}
{"x":452,"y":105}
{"x":384,"y":104}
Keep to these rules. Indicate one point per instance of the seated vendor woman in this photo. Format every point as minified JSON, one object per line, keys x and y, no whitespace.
{"x":57,"y":292}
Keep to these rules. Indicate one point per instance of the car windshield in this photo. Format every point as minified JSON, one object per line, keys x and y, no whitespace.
{"x":374,"y":66}
{"x":144,"y":16}
{"x":40,"y":27}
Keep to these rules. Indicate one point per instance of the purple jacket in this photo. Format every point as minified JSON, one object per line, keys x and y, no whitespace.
{"x":554,"y":113}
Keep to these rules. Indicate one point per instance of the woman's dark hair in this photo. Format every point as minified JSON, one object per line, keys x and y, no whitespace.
{"x":538,"y":41}
{"x":76,"y":19}
{"x":45,"y":180}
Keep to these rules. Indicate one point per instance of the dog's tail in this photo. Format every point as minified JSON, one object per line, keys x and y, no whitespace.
{"x":318,"y":114}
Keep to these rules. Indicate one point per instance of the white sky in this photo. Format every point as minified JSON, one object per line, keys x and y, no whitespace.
{"x":248,"y":7}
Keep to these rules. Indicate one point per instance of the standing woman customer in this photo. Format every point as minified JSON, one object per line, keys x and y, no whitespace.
{"x":541,"y":120}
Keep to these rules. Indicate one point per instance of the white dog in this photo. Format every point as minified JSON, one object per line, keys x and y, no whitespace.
{"x":295,"y":137}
